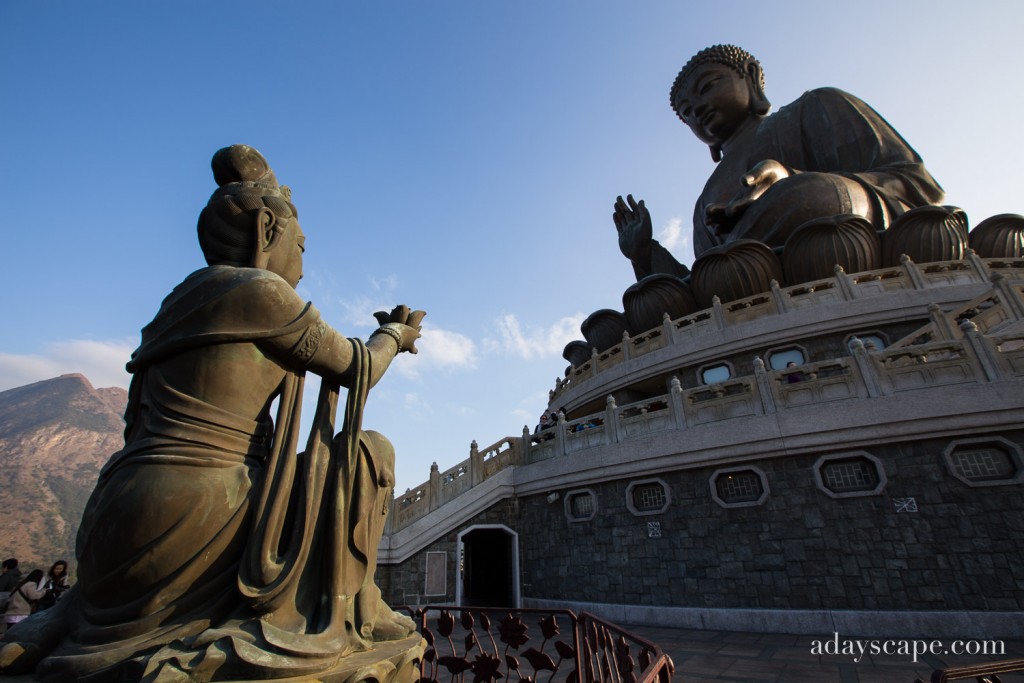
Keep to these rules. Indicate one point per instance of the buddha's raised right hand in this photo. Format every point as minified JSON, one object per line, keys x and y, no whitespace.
{"x":407,"y":323}
{"x":633,"y":222}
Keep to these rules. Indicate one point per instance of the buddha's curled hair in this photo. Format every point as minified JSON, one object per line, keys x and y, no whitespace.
{"x":247,"y":184}
{"x":736,"y":58}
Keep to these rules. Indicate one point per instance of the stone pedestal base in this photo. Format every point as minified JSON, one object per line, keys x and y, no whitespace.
{"x":396,"y":661}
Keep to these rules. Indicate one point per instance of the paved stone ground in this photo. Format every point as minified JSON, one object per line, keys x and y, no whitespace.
{"x":706,"y":656}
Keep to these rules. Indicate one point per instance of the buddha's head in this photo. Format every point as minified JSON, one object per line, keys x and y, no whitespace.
{"x":250,"y":220}
{"x":718,"y":90}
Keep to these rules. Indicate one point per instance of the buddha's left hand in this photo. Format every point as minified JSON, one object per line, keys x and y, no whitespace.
{"x":755,"y":183}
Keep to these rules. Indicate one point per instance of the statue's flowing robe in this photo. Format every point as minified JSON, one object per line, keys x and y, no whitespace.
{"x":825,"y":131}
{"x":208,"y":543}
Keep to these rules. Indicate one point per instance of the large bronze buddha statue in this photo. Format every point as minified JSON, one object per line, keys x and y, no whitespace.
{"x":828,"y":153}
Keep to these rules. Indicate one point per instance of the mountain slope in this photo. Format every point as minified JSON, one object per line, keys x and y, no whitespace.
{"x":55,"y":435}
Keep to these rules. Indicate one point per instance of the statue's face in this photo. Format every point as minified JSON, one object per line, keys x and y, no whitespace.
{"x":286,"y":257}
{"x":714,"y":101}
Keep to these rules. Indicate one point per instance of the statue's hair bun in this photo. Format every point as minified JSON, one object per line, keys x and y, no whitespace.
{"x":239,"y":163}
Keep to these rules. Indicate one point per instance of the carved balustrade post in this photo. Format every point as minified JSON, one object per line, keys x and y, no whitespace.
{"x":778,"y":297}
{"x":593,"y":363}
{"x":521,"y":447}
{"x":476,"y":464}
{"x":668,"y":329}
{"x":866,"y":368}
{"x":978,"y":265}
{"x":980,"y":347}
{"x":675,"y":397}
{"x":764,"y":387}
{"x":1009,"y":295}
{"x":626,"y":351}
{"x":611,"y":421}
{"x":845,"y":283}
{"x":912,"y":271}
{"x":434,"y":489}
{"x":945,"y":328}
{"x":563,"y":445}
{"x":717,"y":313}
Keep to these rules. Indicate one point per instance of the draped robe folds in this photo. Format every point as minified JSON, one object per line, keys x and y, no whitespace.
{"x":835,"y":136}
{"x":209,"y":547}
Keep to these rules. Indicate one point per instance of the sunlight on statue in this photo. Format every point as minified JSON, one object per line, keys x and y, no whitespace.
{"x":212,"y":549}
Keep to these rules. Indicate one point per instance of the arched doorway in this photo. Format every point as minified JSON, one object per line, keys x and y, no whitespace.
{"x":488,"y":567}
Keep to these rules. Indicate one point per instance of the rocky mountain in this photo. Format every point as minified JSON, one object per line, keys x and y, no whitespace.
{"x":55,"y":435}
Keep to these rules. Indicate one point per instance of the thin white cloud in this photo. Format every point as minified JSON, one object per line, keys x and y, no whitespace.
{"x":358,"y":311}
{"x":388,"y":283}
{"x":677,"y":240}
{"x":438,"y":349}
{"x":535,"y":341}
{"x":102,"y":362}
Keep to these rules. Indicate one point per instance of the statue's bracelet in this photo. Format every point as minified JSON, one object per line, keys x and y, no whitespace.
{"x":390,"y":330}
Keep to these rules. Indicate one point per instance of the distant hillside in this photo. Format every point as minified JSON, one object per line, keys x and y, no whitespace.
{"x":55,"y":436}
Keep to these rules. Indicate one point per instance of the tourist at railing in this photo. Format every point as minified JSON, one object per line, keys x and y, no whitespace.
{"x":794,"y":376}
{"x":55,"y":583}
{"x":542,"y":430}
{"x":23,"y":598}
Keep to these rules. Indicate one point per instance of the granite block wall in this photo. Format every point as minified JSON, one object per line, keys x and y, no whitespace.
{"x":961,"y":549}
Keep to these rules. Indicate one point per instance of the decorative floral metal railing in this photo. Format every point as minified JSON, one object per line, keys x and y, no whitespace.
{"x":533,"y":646}
{"x":982,"y":673}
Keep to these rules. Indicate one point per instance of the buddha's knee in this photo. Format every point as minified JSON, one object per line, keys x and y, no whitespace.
{"x":381,"y":452}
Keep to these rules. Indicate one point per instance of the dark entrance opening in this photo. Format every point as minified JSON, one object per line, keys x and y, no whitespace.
{"x":487,"y":568}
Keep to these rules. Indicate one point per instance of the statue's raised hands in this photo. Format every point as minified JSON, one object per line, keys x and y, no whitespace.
{"x":633,"y":222}
{"x":403,"y":324}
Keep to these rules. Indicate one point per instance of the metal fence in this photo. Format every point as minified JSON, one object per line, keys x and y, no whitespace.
{"x":533,"y":646}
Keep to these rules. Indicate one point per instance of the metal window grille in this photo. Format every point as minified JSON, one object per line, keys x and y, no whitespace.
{"x":581,"y":505}
{"x":984,"y":464}
{"x":739,"y":487}
{"x":841,"y":476}
{"x":648,"y":497}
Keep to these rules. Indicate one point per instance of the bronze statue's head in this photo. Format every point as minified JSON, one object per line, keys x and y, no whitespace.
{"x":250,"y":219}
{"x":719,"y":88}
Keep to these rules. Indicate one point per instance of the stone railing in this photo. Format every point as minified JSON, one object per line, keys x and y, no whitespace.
{"x":443,"y":487}
{"x":974,"y":358}
{"x":841,"y":287}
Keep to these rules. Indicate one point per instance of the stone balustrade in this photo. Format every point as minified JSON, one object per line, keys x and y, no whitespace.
{"x":443,"y":487}
{"x":780,"y":300}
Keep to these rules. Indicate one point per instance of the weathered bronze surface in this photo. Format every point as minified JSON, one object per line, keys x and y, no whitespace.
{"x":827,"y":153}
{"x":577,"y":352}
{"x":814,"y":249}
{"x":926,"y":234}
{"x":603,"y":329}
{"x":734,"y":271}
{"x":211,"y":549}
{"x":645,"y":302}
{"x":1000,"y":236}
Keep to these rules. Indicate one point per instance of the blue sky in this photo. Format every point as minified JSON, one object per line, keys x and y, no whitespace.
{"x":460,"y":157}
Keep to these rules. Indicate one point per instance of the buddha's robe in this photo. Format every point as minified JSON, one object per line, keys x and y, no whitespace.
{"x":841,"y":146}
